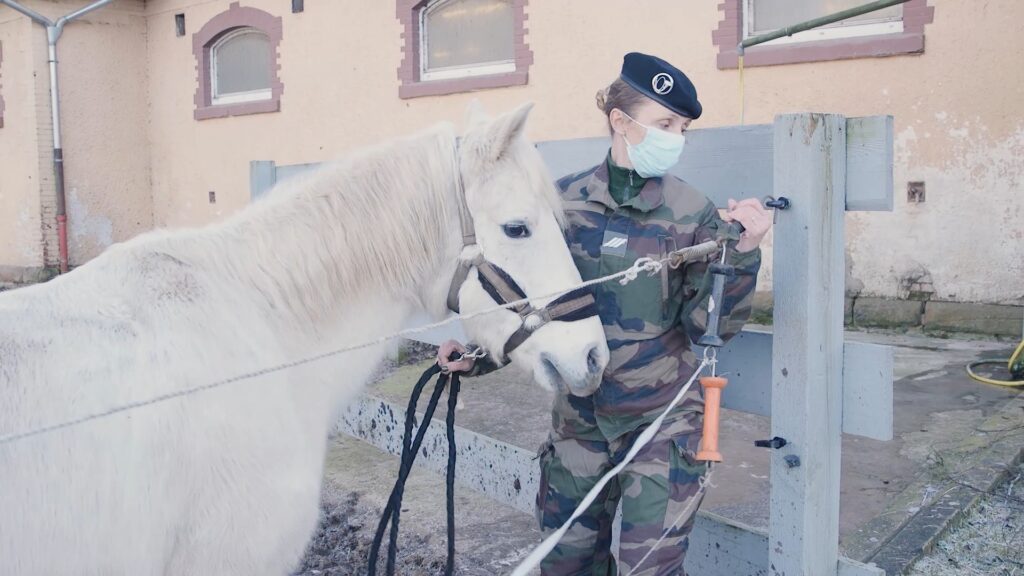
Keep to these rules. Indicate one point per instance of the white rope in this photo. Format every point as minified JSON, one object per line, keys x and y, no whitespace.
{"x":626,"y":276}
{"x":545,"y":548}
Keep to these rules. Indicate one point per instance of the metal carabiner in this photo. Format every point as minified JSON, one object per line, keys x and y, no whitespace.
{"x":711,"y":358}
{"x":474,"y":354}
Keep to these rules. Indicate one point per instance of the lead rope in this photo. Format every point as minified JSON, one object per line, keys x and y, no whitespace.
{"x":549,"y":543}
{"x":649,"y":265}
{"x":410,"y":449}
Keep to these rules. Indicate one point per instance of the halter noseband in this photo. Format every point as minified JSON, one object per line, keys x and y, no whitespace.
{"x":571,"y":306}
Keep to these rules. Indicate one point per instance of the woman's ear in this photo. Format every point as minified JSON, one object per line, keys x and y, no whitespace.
{"x":618,"y":121}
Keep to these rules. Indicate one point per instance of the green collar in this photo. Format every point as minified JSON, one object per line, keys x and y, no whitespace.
{"x":624,"y":184}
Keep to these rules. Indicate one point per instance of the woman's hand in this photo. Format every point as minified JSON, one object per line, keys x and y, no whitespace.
{"x":446,"y":350}
{"x":755,"y":218}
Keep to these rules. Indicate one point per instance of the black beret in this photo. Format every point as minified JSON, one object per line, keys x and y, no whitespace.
{"x":662,"y":82}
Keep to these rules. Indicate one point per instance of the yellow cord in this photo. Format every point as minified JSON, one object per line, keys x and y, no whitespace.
{"x":1017,"y":356}
{"x":742,"y":91}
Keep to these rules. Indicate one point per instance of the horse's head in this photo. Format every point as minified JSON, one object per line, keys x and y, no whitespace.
{"x":517,"y":216}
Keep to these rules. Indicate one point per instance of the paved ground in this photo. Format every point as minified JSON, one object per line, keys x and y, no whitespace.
{"x":950,"y":432}
{"x":989,"y":541}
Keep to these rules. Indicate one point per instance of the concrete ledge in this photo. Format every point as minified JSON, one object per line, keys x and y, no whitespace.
{"x":25,"y":274}
{"x":1004,"y":320}
{"x":886,"y":313}
{"x":994,"y":319}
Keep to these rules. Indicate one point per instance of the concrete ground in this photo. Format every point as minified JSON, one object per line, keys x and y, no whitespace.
{"x":988,"y":541}
{"x":954,"y":440}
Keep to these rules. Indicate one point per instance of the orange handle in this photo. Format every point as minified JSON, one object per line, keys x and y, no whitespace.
{"x":712,"y":405}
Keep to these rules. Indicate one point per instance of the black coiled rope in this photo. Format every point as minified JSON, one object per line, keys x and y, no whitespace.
{"x":410,"y":448}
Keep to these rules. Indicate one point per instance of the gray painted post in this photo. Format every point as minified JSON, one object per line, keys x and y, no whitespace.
{"x":807,"y":358}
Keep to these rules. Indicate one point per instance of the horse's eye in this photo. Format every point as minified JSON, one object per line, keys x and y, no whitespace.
{"x":516,"y":230}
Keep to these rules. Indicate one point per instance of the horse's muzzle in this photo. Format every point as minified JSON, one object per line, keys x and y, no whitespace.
{"x":579,"y":377}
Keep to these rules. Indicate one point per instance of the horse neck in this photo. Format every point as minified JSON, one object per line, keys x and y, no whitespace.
{"x":372,"y":230}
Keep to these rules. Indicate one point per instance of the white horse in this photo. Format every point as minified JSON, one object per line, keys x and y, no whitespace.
{"x":226,"y":481}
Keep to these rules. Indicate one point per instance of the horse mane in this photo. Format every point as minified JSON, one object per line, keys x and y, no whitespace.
{"x":370,"y":223}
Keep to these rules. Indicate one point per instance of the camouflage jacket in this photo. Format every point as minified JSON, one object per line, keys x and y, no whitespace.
{"x":650,"y":322}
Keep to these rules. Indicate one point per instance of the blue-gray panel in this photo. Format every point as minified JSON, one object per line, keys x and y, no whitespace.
{"x":746,"y":361}
{"x":869,"y":159}
{"x":736,"y":161}
{"x":730,"y":162}
{"x":262,"y":175}
{"x":285,"y":172}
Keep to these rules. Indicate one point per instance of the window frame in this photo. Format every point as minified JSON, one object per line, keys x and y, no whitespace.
{"x":216,"y":99}
{"x":860,"y":40}
{"x":416,"y":82}
{"x":873,"y":27}
{"x":221,"y":26}
{"x":452,"y":72}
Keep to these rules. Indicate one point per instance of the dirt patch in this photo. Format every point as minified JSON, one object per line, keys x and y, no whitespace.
{"x":341,"y":545}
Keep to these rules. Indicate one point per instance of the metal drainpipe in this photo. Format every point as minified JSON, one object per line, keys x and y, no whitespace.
{"x":53,"y":32}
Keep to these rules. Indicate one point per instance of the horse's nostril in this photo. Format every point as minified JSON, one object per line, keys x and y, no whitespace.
{"x":549,"y":366}
{"x":594,"y":361}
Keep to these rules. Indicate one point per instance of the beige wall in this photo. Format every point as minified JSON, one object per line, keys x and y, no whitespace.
{"x":958,"y":127}
{"x":104,"y":113}
{"x":21,"y":241}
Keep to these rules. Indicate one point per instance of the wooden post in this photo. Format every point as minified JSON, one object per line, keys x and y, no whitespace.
{"x":807,"y":355}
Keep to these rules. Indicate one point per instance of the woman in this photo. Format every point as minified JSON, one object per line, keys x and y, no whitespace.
{"x":624,"y":208}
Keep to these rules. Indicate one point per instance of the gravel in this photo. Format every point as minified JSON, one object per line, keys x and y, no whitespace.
{"x":989,"y":541}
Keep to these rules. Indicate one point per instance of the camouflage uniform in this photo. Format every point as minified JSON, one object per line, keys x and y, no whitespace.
{"x":649,"y":324}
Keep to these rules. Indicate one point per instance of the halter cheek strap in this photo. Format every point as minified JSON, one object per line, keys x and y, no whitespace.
{"x":569,"y":307}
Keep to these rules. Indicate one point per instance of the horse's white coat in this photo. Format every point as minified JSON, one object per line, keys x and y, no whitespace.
{"x":226,"y":482}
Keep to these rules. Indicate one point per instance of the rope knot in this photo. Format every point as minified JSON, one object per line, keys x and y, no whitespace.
{"x":645,"y":264}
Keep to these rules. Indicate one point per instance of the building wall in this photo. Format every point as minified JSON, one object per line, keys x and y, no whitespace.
{"x":104,"y":112}
{"x":958,"y":126}
{"x":21,"y":242}
{"x":957,"y":123}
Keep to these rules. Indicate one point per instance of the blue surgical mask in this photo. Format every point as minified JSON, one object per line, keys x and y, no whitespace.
{"x":656,"y":153}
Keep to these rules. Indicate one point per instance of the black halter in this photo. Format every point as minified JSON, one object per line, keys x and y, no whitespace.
{"x":575,"y":305}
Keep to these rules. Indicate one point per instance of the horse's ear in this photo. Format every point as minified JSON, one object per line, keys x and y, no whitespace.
{"x":505,"y":129}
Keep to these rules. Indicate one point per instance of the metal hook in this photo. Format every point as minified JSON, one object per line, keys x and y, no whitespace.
{"x":711,"y":357}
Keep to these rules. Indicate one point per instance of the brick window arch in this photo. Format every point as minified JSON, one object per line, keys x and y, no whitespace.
{"x":905,"y":35}
{"x":229,"y":30}
{"x":481,"y":44}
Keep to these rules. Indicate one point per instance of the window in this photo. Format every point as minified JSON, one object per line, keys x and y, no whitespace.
{"x":761,"y":16}
{"x":894,"y":30}
{"x":240,"y":67}
{"x":466,"y":38}
{"x":460,"y":45}
{"x":236,"y":56}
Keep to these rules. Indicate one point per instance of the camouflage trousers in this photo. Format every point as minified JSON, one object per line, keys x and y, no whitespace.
{"x":660,"y":491}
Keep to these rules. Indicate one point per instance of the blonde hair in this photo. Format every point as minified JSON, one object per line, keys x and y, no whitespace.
{"x":618,"y":95}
